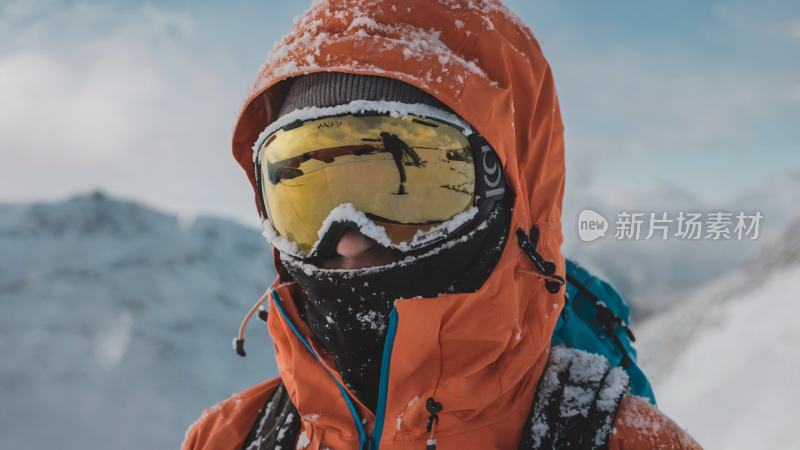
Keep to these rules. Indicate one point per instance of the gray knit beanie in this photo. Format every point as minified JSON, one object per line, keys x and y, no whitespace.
{"x":323,"y":89}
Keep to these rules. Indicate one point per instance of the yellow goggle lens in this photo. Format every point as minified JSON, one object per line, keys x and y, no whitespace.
{"x":407,"y":173}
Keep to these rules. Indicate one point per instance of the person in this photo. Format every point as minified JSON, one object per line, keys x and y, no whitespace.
{"x":419,"y":316}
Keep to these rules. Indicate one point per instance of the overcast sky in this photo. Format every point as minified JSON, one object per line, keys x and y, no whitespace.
{"x":665,"y":102}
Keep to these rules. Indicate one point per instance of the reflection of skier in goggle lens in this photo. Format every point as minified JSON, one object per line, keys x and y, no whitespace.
{"x":406,"y":181}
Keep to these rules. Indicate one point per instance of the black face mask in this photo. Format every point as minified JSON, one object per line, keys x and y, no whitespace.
{"x":348,"y":310}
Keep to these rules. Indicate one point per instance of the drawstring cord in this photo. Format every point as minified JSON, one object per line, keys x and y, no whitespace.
{"x":547,"y":269}
{"x":238,"y":341}
{"x":434,"y":408}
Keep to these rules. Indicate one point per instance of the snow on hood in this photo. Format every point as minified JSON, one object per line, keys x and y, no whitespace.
{"x":478,"y":59}
{"x":474,"y":56}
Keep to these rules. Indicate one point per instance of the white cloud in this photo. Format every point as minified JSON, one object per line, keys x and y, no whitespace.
{"x":79,"y":113}
{"x":794,"y":29}
{"x":657,"y":102}
{"x":94,"y":97}
{"x":794,"y":93}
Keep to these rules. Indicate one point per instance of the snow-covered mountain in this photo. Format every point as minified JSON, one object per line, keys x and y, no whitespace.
{"x":726,"y":361}
{"x":117,"y":320}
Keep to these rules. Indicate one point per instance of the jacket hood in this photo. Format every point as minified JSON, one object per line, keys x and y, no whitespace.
{"x":479,"y":354}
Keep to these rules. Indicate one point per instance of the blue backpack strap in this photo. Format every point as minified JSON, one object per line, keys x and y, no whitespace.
{"x":596,"y":319}
{"x":576,"y":402}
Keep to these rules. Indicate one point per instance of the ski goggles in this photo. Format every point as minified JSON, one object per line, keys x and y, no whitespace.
{"x":406,"y":181}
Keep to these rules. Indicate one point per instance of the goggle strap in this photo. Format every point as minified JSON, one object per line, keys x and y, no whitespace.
{"x":490,"y":181}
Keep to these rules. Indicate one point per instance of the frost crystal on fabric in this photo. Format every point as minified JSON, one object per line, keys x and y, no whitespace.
{"x":325,"y":24}
{"x":277,"y":424}
{"x":302,"y":441}
{"x":576,"y":401}
{"x":608,"y":401}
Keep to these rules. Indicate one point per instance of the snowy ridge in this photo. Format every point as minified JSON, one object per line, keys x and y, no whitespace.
{"x":725,"y":361}
{"x":664,"y":337}
{"x":782,"y":253}
{"x":87,"y":215}
{"x":114,"y":314}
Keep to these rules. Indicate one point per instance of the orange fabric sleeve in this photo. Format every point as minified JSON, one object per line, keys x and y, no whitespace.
{"x":641,"y":426}
{"x":226,"y":425}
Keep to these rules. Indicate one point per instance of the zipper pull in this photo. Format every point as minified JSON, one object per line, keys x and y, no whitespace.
{"x":546,"y":268}
{"x":434,"y":408}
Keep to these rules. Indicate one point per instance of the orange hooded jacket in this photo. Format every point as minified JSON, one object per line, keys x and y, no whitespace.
{"x":480,"y":354}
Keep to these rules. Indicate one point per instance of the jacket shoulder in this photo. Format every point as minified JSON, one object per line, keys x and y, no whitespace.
{"x":226,"y":425}
{"x":641,"y":426}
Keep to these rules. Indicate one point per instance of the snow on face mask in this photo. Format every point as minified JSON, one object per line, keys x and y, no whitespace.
{"x":347,"y":309}
{"x":348,"y":214}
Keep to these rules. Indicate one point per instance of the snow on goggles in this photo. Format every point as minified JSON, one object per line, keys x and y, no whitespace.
{"x":406,"y":181}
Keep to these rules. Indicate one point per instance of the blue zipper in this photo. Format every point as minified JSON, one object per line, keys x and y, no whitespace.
{"x":362,"y":435}
{"x":365,"y":443}
{"x":383,"y":385}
